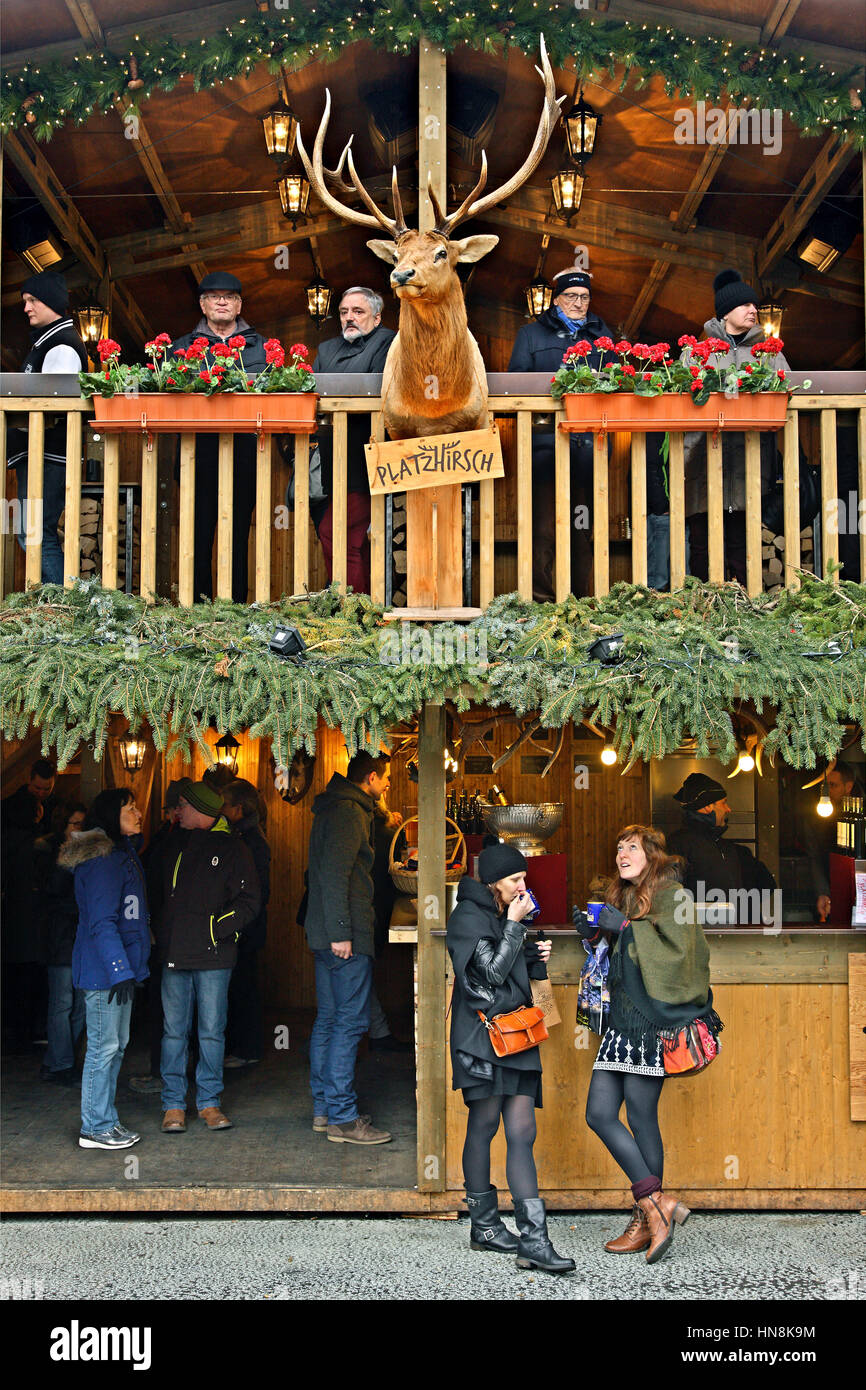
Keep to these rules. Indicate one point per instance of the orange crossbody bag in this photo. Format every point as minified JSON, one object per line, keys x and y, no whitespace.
{"x":516,"y":1031}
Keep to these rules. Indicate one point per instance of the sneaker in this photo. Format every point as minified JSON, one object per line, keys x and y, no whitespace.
{"x":108,"y":1139}
{"x":320,"y":1123}
{"x":126,"y":1133}
{"x":389,"y":1044}
{"x":360,"y":1131}
{"x":146,"y":1085}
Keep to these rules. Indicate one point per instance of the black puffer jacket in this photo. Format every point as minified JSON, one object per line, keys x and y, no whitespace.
{"x":210,"y":894}
{"x":492,"y":970}
{"x":714,"y":863}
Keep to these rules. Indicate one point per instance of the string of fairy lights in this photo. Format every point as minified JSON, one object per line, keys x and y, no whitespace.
{"x":47,"y":96}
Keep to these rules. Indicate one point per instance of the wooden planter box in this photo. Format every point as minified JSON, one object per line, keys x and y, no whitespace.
{"x":601,"y":410}
{"x":167,"y":412}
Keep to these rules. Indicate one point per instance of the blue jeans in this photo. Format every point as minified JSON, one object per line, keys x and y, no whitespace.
{"x":107,"y":1036}
{"x":343,"y":1017}
{"x":658,"y":551}
{"x":208,"y":990}
{"x":53,"y":502}
{"x":65,"y":1018}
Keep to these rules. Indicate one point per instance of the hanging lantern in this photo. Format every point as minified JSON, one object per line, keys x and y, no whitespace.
{"x":581,"y":128}
{"x":567,"y":189}
{"x":92,"y":324}
{"x":132,"y":751}
{"x":770,"y":319}
{"x":281,"y":128}
{"x":318,"y":300}
{"x":226,"y":750}
{"x":539,"y":296}
{"x":294,"y":196}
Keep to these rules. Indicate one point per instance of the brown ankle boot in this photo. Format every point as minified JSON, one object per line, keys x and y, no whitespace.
{"x":661,"y":1211}
{"x":635,"y":1237}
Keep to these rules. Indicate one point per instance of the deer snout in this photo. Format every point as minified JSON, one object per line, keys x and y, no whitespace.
{"x":401,"y":277}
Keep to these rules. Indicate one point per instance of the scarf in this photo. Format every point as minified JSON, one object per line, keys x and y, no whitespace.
{"x":571,"y":324}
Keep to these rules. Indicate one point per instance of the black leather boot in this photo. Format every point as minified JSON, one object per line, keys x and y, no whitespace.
{"x":487,"y":1231}
{"x":534,"y":1250}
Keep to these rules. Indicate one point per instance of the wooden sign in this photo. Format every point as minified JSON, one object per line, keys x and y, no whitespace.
{"x":402,"y":465}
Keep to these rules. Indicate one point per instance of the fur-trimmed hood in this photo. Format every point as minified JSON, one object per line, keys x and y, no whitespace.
{"x":83,"y":846}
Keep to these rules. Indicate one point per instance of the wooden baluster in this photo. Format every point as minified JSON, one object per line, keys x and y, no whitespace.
{"x":861,"y":475}
{"x":35,"y":486}
{"x":110,"y":509}
{"x":715,"y":508}
{"x":486,"y":543}
{"x":225,"y":517}
{"x":301,"y":581}
{"x":677,"y":494}
{"x":378,"y":557}
{"x":524,"y":503}
{"x":7,"y":528}
{"x":791,"y":475}
{"x":638,"y":510}
{"x":340,"y":527}
{"x":264,"y":517}
{"x":829,"y":493}
{"x":562,"y":495}
{"x":754,"y":544}
{"x":72,"y":504}
{"x":149,"y":481}
{"x":600,"y":515}
{"x":186,"y":523}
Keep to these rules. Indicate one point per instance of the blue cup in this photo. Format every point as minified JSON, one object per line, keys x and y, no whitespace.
{"x":536,"y":906}
{"x":592,"y":912}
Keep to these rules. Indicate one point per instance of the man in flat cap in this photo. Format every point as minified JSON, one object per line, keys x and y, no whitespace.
{"x":220,"y":301}
{"x":210,"y":893}
{"x":56,"y":347}
{"x":714,"y":864}
{"x":539,"y":347}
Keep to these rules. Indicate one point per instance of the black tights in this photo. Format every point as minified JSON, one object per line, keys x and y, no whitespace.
{"x":639,"y":1153}
{"x":518,"y":1113}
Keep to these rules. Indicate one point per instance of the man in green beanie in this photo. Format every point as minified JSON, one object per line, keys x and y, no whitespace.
{"x":210,"y":892}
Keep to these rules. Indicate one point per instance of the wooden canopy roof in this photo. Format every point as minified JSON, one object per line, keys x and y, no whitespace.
{"x":658,"y":220}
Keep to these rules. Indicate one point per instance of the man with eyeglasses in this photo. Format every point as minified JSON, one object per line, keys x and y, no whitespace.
{"x":539,"y":347}
{"x":220,"y":302}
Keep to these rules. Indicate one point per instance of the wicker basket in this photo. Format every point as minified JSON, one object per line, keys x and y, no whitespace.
{"x":405,"y":881}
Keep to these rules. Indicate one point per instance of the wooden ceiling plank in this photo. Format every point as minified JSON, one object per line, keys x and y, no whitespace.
{"x":602,"y":236}
{"x":184,"y":24}
{"x":779,"y":20}
{"x":86,"y":22}
{"x":819,"y":178}
{"x":264,"y":236}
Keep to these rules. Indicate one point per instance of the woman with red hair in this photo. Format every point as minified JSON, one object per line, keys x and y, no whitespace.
{"x":659,"y":984}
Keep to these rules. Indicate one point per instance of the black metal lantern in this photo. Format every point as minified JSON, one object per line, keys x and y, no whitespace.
{"x":226,"y":750}
{"x":567,"y":189}
{"x":318,"y":300}
{"x":294,"y":196}
{"x":581,"y":128}
{"x":770,"y":319}
{"x":92,"y":324}
{"x":281,"y":128}
{"x":539,"y":296}
{"x":132,"y":751}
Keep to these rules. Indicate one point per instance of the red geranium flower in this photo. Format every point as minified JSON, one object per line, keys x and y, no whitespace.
{"x":107,"y":347}
{"x":781,"y":375}
{"x":622,"y":347}
{"x":687,"y":340}
{"x":641,"y":350}
{"x":299,"y":350}
{"x":628,"y":371}
{"x":647,"y":376}
{"x":695,"y":371}
{"x":604,"y":344}
{"x":238,"y":341}
{"x":180,"y":352}
{"x":695,"y":386}
{"x":221,"y":350}
{"x":304,"y":367}
{"x":718,"y":345}
{"x":747,"y":367}
{"x":170,"y":381}
{"x":580,"y":349}
{"x":771,"y":345}
{"x":162,"y":338}
{"x":204,"y":376}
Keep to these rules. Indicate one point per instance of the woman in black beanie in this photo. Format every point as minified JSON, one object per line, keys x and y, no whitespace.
{"x":492,"y":970}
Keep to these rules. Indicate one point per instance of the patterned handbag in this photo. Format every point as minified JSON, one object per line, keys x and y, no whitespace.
{"x":691,"y":1051}
{"x":516,"y":1031}
{"x":593,"y":995}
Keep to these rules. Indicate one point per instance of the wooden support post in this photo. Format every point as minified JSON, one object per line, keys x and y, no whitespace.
{"x":829,"y":493}
{"x":638,"y":510}
{"x":600,"y":515}
{"x":524,"y":503}
{"x":72,"y":503}
{"x":264,"y":514}
{"x":754,"y":567}
{"x":861,"y":474}
{"x":431,"y":950}
{"x":564,"y":523}
{"x":486,"y":544}
{"x":677,"y":489}
{"x":35,"y":494}
{"x":301,"y":580}
{"x":791,"y":488}
{"x":186,"y":523}
{"x":225,"y":517}
{"x":378,"y":556}
{"x":340,"y":496}
{"x":149,"y":464}
{"x":715,"y":509}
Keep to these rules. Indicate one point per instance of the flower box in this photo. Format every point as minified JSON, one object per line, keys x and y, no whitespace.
{"x":175,"y":412}
{"x":620,"y":410}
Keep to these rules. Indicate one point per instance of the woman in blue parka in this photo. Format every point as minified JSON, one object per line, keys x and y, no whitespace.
{"x":110,"y":955}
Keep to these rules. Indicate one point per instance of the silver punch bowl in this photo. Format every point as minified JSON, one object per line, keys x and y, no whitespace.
{"x":525,"y":827}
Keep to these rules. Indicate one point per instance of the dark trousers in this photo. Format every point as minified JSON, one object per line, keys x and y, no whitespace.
{"x":244,"y":1036}
{"x":206,"y":510}
{"x":25,"y":1003}
{"x":357,"y":540}
{"x":735,"y":546}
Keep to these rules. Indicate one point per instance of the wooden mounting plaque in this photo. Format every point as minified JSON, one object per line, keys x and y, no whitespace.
{"x":402,"y":465}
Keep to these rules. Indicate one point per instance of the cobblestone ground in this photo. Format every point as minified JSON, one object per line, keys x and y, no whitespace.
{"x":715,"y":1258}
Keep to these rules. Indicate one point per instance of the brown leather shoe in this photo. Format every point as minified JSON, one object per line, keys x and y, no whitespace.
{"x":360,"y":1131}
{"x":173,"y":1122}
{"x":214,"y":1117}
{"x":661,"y":1211}
{"x":635,"y":1237}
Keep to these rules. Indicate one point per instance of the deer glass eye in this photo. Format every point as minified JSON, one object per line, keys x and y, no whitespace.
{"x":441,"y":255}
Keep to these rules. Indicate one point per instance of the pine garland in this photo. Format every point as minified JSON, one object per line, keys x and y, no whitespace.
{"x":702,"y":66}
{"x":69,"y":659}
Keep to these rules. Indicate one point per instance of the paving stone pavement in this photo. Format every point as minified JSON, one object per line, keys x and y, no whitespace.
{"x":717,"y":1257}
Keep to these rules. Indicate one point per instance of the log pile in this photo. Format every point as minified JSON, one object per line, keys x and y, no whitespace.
{"x":773,"y":556}
{"x":90,"y":564}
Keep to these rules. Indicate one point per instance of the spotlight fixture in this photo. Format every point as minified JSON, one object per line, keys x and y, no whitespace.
{"x":770,"y":319}
{"x":608,"y":755}
{"x":318,"y":300}
{"x":581,"y":128}
{"x":132,"y":751}
{"x":539,"y":296}
{"x":287,"y":642}
{"x":608,"y":650}
{"x":825,"y":805}
{"x":281,"y":128}
{"x":567,"y":189}
{"x":294,"y":194}
{"x":226,"y":750}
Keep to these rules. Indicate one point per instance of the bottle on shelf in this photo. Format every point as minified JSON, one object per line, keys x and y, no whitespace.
{"x":496,"y":796}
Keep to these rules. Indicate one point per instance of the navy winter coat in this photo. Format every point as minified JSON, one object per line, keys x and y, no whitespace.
{"x":112,"y":943}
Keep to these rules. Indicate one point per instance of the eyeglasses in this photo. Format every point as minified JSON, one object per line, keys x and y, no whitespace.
{"x":215,"y":298}
{"x":576,"y":298}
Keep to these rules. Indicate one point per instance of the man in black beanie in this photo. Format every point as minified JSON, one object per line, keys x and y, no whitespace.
{"x":712,"y":863}
{"x":55,"y":347}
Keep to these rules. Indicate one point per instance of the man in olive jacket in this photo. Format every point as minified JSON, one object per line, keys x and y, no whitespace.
{"x":210,"y":893}
{"x":339,"y":927}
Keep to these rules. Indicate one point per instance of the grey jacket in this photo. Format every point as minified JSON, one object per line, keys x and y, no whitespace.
{"x":733,"y":445}
{"x":340,"y":869}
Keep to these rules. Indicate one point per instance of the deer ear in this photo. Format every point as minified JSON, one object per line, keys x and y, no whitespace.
{"x":472,"y":248}
{"x":385,"y":250}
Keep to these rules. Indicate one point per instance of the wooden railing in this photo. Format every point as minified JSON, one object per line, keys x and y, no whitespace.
{"x":285,"y":557}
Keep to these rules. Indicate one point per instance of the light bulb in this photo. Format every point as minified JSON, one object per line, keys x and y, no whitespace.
{"x":608,"y":755}
{"x":825,"y":806}
{"x":745,"y":762}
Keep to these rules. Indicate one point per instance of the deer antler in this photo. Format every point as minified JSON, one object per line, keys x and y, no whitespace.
{"x":316,"y":174}
{"x":473,"y":206}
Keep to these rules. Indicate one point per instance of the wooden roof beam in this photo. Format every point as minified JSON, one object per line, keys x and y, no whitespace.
{"x":184,"y":24}
{"x":816,"y":182}
{"x":779,"y":20}
{"x":603,"y":236}
{"x":265,"y":235}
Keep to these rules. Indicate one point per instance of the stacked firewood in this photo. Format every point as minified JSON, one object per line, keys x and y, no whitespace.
{"x":90,"y":564}
{"x":773,"y":556}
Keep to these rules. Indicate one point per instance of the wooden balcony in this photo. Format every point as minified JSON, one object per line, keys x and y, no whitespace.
{"x":284,"y":555}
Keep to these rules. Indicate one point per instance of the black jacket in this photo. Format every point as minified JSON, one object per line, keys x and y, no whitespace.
{"x":492,"y":970}
{"x":19,"y":829}
{"x":60,"y":333}
{"x":210,"y":893}
{"x":254,"y":934}
{"x":365,"y":354}
{"x":714,"y":862}
{"x":539,"y":347}
{"x":57,"y":909}
{"x":253,"y":354}
{"x":340,"y":869}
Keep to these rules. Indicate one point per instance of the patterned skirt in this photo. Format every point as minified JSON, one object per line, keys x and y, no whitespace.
{"x":619,"y":1052}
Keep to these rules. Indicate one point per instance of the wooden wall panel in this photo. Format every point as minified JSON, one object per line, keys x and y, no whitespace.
{"x":856,"y":1035}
